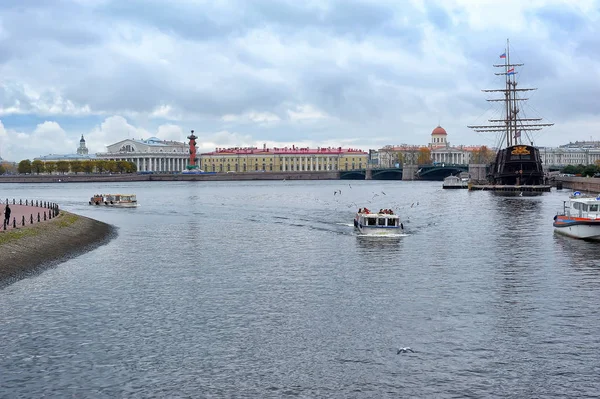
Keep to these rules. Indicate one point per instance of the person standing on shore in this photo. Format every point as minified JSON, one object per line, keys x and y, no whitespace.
{"x":7,"y":215}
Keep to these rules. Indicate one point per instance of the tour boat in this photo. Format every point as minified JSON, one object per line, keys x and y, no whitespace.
{"x":580,"y":217}
{"x":115,"y":200}
{"x":455,"y":182}
{"x":384,"y":222}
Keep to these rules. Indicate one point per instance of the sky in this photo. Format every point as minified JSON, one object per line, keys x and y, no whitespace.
{"x":351,"y":73}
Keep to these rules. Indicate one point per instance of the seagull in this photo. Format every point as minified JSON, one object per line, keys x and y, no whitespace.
{"x":405,"y":350}
{"x":383,"y":193}
{"x":376,"y":195}
{"x":349,"y":186}
{"x":337,"y":192}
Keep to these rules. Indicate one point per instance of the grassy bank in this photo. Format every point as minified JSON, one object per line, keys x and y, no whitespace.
{"x":29,"y":250}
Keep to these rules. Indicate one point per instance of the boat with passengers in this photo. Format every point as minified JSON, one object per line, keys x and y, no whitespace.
{"x":114,"y":200}
{"x":580,"y":217}
{"x":383,"y":222}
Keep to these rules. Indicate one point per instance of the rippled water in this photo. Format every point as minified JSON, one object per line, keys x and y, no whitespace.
{"x":262,"y":289}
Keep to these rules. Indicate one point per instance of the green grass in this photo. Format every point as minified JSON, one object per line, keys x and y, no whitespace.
{"x":66,"y":219}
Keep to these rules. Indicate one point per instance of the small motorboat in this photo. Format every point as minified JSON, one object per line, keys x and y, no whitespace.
{"x":580,"y":217}
{"x":384,"y":222}
{"x":114,"y":200}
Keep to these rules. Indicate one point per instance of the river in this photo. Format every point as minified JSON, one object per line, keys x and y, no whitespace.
{"x":262,"y":289}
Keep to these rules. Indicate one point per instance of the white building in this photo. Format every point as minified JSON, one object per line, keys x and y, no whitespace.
{"x":563,"y":156}
{"x":153,"y":154}
{"x":81,"y":155}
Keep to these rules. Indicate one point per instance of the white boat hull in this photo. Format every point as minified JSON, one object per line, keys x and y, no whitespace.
{"x":580,"y":231}
{"x":378,"y":231}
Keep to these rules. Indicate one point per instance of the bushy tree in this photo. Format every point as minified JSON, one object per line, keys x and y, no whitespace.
{"x":63,"y":167}
{"x":76,"y":166}
{"x":37,"y":167}
{"x":2,"y":170}
{"x":24,"y":166}
{"x":424,"y":157}
{"x":50,"y":166}
{"x":88,"y":166}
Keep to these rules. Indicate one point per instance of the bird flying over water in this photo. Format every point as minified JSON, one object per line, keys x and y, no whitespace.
{"x":405,"y":350}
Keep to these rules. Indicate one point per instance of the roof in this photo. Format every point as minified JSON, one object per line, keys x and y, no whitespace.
{"x":65,"y":157}
{"x":285,"y":150}
{"x":439,"y":130}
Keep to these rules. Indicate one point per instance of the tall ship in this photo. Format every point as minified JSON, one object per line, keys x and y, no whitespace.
{"x":518,"y":167}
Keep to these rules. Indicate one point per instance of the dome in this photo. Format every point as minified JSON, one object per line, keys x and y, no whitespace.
{"x":439,"y":130}
{"x":82,"y":139}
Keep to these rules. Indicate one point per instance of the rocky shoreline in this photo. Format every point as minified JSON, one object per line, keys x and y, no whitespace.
{"x":30,"y":250}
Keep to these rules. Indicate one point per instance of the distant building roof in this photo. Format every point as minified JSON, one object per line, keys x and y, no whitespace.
{"x":285,"y":150}
{"x":65,"y":157}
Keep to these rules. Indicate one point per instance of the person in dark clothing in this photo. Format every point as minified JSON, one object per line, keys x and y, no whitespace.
{"x":7,"y":214}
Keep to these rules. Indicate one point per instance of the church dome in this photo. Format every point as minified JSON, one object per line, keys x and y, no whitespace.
{"x":439,"y":130}
{"x":82,"y":139}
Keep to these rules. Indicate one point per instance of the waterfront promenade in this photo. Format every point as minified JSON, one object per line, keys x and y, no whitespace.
{"x":25,"y":215}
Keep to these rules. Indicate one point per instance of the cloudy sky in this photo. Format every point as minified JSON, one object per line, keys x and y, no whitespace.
{"x":358,"y":73}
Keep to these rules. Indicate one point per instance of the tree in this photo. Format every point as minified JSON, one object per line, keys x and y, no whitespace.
{"x":50,"y":166}
{"x":76,"y":166}
{"x":483,"y":155}
{"x":121,"y":166}
{"x":131,"y":167}
{"x":37,"y":167}
{"x":88,"y":166}
{"x":24,"y":166}
{"x":62,"y":167}
{"x":2,"y":170}
{"x":424,"y":157}
{"x":111,"y":166}
{"x":100,"y":166}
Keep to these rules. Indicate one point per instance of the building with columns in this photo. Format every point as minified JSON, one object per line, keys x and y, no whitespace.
{"x":252,"y":159}
{"x":151,"y":155}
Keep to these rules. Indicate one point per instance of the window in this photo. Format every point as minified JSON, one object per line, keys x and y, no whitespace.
{"x":381,"y":221}
{"x":371,"y":221}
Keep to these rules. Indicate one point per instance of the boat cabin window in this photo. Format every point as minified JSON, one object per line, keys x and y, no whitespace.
{"x":381,"y":222}
{"x":593,"y":207}
{"x":371,"y":221}
{"x":391,"y":222}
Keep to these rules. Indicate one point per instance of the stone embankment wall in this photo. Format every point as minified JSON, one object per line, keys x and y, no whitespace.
{"x":332,"y":175}
{"x":588,"y":184}
{"x":26,"y":251}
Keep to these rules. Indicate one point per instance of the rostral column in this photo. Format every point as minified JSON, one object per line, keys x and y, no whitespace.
{"x":192,"y":162}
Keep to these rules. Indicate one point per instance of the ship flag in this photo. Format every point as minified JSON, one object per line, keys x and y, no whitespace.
{"x":503,"y":55}
{"x":511,"y":71}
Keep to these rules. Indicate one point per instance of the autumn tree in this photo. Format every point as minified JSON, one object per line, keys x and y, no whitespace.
{"x":63,"y":167}
{"x":2,"y":170}
{"x":37,"y":167}
{"x":76,"y":166}
{"x":24,"y":166}
{"x":111,"y":166}
{"x":88,"y":166}
{"x":424,"y":156}
{"x":100,"y":166}
{"x":50,"y":166}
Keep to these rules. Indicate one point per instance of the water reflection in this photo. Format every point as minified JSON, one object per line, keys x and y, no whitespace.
{"x":371,"y":244}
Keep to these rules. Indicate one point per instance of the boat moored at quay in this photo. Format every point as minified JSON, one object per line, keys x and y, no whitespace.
{"x":580,"y":217}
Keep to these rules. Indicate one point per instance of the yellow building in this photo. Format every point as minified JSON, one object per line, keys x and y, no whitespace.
{"x":285,"y":159}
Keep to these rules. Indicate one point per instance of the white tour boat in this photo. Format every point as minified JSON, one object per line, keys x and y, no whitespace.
{"x":580,"y":217}
{"x":454,"y":182}
{"x":383,"y":222}
{"x":114,"y":200}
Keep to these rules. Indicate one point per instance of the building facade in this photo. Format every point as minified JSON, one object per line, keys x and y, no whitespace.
{"x":569,"y":155}
{"x":294,"y":159}
{"x":151,"y":155}
{"x":440,"y":149}
{"x":81,"y":155}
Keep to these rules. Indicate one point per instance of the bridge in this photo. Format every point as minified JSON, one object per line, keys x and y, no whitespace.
{"x":424,"y":172}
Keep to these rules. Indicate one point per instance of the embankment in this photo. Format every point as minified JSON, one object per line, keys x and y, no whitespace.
{"x":29,"y":250}
{"x":104,"y":178}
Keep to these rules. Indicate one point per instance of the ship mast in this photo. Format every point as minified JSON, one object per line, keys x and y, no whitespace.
{"x":511,"y":125}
